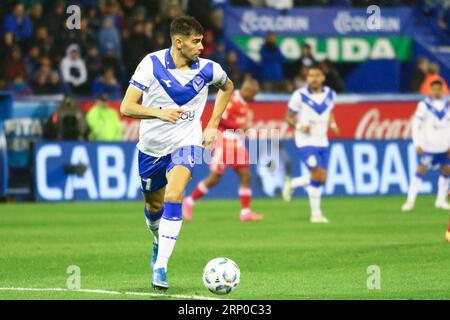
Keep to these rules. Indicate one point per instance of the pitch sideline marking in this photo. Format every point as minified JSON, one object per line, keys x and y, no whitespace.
{"x":178,"y":296}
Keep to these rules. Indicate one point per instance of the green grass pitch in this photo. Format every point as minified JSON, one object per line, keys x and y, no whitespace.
{"x":281,"y":257}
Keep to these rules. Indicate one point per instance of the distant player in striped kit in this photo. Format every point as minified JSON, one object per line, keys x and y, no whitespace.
{"x":431,"y":136}
{"x":230,"y":151}
{"x":310,"y":112}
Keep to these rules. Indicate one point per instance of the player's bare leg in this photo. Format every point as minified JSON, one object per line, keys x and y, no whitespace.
{"x":318,"y":179}
{"x":153,"y":210}
{"x":169,"y":228}
{"x":414,"y":186}
{"x":443,"y":185}
{"x":245,"y":193}
{"x":202,"y":188}
{"x":290,"y":184}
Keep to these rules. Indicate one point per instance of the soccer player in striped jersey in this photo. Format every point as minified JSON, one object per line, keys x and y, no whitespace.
{"x":310,"y":112}
{"x":173,"y":84}
{"x":431,"y":136}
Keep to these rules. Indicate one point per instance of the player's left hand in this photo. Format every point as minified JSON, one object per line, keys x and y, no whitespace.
{"x":335,"y":130}
{"x":209,"y":138}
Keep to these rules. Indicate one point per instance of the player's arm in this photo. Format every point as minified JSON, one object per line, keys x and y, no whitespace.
{"x":333,"y":124}
{"x":417,"y":126}
{"x":291,"y":118}
{"x":294,"y":107}
{"x":223,"y":96}
{"x":130,"y":107}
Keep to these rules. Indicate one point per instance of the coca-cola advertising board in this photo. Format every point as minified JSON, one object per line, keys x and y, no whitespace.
{"x":382,"y":120}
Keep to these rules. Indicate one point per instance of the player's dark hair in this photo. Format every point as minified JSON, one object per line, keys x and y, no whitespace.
{"x":185,"y":26}
{"x":317,"y":66}
{"x":436,"y":82}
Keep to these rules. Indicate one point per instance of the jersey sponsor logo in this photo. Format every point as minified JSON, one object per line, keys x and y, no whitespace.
{"x":189,"y":116}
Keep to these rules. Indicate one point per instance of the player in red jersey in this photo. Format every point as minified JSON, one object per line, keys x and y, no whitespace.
{"x":230,"y":151}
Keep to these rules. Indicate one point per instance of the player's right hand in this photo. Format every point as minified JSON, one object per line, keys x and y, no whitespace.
{"x":170,"y":115}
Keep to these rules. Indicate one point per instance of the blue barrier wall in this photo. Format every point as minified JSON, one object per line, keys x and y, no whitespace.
{"x":356,"y":168}
{"x":6,"y":104}
{"x":3,"y":163}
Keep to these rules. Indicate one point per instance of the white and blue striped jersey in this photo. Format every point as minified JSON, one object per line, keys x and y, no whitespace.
{"x":164,"y":86}
{"x":313,"y":110}
{"x":431,"y":125}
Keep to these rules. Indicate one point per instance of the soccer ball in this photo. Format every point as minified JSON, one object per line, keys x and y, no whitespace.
{"x":221,"y":275}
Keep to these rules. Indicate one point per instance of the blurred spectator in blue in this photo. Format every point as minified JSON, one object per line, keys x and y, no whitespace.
{"x":271,"y":64}
{"x":444,"y":18}
{"x":19,"y":87}
{"x":46,"y":80}
{"x":108,"y":84}
{"x":14,"y":65}
{"x":232,"y":68}
{"x":19,"y":23}
{"x":111,"y":10}
{"x":111,"y":61}
{"x":429,"y":7}
{"x":94,"y":63}
{"x":32,"y":60}
{"x":219,"y":55}
{"x":73,"y":70}
{"x":109,"y":38}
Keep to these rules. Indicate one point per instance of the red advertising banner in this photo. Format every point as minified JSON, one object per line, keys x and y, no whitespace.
{"x":359,"y":120}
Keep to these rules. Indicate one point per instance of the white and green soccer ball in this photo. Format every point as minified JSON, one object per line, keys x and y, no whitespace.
{"x":221,"y":275}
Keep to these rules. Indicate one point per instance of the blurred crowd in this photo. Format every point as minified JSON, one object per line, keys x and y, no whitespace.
{"x":287,"y":4}
{"x":40,"y":55}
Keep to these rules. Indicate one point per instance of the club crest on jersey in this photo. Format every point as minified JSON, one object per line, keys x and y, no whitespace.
{"x":198,"y":83}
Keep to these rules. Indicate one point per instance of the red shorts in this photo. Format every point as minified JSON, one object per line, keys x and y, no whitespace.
{"x":229,"y":153}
